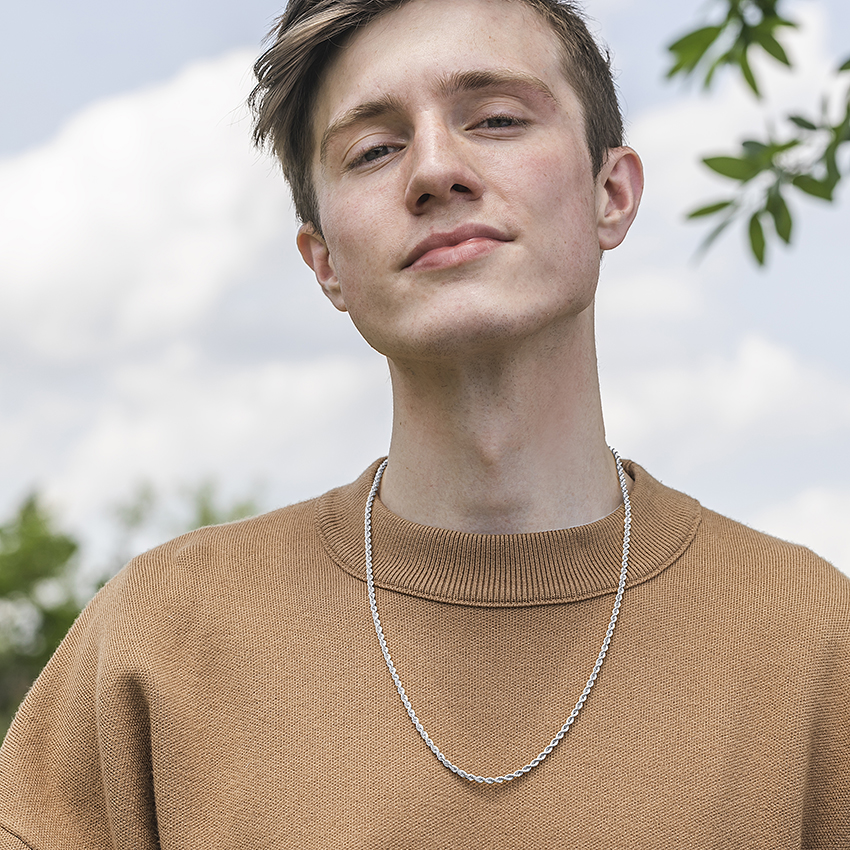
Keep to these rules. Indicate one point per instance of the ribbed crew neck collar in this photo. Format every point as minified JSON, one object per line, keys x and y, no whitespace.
{"x":506,"y":570}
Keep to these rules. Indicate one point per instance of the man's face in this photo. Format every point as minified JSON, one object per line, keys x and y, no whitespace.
{"x":459,"y":210}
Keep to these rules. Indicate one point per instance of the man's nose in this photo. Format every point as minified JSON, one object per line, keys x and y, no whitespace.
{"x":442,"y":169}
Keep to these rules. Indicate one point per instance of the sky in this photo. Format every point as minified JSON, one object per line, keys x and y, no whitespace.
{"x":157,"y":324}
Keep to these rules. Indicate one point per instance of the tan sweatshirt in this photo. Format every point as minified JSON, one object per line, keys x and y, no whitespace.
{"x":227,"y":690}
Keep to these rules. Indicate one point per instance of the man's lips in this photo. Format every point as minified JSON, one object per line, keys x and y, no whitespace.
{"x":457,"y":246}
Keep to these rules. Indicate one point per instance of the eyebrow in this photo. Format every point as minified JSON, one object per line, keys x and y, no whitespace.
{"x":457,"y":82}
{"x":387,"y":105}
{"x":463,"y":81}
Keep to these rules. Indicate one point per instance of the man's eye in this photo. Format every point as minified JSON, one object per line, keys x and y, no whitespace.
{"x":374,"y":154}
{"x":496,"y":121}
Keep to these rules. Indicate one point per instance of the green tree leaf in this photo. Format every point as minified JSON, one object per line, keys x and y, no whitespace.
{"x":811,"y":186}
{"x":710,"y":209}
{"x":818,"y":165}
{"x":747,"y":71}
{"x":754,"y":149}
{"x":830,"y":159}
{"x":689,"y":49}
{"x":804,"y":123}
{"x":781,"y":215}
{"x":842,"y":130}
{"x":733,"y":167}
{"x":757,"y":242}
{"x":772,"y":46}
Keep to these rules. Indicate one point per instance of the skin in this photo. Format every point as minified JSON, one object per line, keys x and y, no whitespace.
{"x":451,"y":119}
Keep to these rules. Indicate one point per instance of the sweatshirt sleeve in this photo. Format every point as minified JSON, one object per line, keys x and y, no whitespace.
{"x":75,"y":768}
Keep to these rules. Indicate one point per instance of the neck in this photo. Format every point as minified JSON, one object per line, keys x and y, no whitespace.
{"x":501,"y":443}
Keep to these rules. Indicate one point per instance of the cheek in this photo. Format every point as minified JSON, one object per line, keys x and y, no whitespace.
{"x":367,"y":247}
{"x":358,"y":232}
{"x":570,"y":185}
{"x":562,"y":191}
{"x":344,"y":236}
{"x":557,"y":185}
{"x":567,"y":213}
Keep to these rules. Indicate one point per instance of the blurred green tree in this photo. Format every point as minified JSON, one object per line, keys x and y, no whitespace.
{"x":804,"y":154}
{"x":37,"y":602}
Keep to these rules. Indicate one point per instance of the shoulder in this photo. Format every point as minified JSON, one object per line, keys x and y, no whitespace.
{"x":740,"y":566}
{"x":772,"y":572}
{"x":775,"y":585}
{"x":219,"y":566}
{"x":235,"y":548}
{"x":241,"y":572}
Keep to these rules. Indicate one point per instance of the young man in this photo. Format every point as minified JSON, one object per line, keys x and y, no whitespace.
{"x":459,"y":169}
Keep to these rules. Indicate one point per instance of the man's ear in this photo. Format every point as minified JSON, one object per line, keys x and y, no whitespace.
{"x":619,"y":187}
{"x":314,"y":252}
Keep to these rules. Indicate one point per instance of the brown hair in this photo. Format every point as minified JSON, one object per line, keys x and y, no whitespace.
{"x":310,"y":31}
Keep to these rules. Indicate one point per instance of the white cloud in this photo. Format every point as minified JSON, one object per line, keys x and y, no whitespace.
{"x":234,"y":423}
{"x":128,"y":225}
{"x":762,"y":393}
{"x":651,"y":294}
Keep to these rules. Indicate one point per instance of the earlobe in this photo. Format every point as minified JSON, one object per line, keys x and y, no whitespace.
{"x":314,"y":251}
{"x":619,"y":188}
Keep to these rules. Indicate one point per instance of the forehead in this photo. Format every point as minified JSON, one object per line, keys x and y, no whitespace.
{"x":413,"y":48}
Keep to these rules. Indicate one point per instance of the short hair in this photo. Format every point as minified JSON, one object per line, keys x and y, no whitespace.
{"x":308,"y":33}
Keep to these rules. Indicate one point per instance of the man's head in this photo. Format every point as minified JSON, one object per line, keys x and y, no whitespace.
{"x":460,"y":209}
{"x":309,"y":34}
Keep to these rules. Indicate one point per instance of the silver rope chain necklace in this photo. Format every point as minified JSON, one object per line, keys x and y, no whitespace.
{"x":373,"y":605}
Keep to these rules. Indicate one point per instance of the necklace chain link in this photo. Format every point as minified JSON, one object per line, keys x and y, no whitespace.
{"x":373,"y":606}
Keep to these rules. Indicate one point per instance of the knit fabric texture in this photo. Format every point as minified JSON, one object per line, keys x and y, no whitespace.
{"x":227,"y":690}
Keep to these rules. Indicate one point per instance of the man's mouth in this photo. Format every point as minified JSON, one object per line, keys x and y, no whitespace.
{"x":465,"y":243}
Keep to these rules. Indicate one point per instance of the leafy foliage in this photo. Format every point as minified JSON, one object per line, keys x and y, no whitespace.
{"x":807,"y":160}
{"x":36,"y":600}
{"x":748,"y":24}
{"x":806,"y":156}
